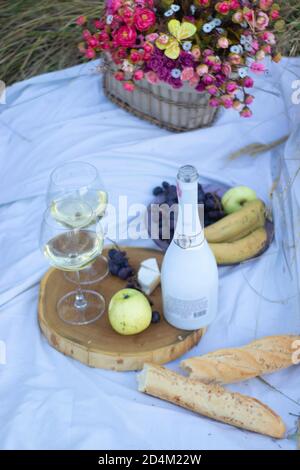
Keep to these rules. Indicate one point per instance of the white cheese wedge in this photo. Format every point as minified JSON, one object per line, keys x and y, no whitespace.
{"x":148,"y":275}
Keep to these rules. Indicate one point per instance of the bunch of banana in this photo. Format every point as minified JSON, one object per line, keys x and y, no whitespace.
{"x":239,"y":236}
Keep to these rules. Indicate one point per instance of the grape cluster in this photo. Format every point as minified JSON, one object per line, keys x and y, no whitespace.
{"x":167,"y":194}
{"x":119,"y":265}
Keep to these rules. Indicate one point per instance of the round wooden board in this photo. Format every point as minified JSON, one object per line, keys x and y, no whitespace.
{"x":97,"y":344}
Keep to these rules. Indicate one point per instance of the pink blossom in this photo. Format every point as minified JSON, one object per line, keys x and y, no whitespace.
{"x":144,"y":18}
{"x":202,"y":69}
{"x":151,"y":37}
{"x":262,"y":21}
{"x":246,"y":112}
{"x":151,"y":77}
{"x":223,"y":42}
{"x":125,"y":36}
{"x":212,"y":90}
{"x":128,"y":86}
{"x":257,"y":67}
{"x":214,"y":102}
{"x":81,"y":20}
{"x":138,"y":75}
{"x":227,"y":101}
{"x":231,"y":87}
{"x":249,"y":99}
{"x":248,"y":82}
{"x":187,"y":73}
{"x":265,"y":4}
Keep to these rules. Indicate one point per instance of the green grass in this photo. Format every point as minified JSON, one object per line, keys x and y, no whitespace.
{"x":39,"y":36}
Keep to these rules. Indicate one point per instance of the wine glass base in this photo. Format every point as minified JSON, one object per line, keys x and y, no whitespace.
{"x":68,"y":313}
{"x":96,"y":272}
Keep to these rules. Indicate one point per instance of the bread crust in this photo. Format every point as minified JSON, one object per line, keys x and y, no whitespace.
{"x":212,"y":401}
{"x":232,"y":365}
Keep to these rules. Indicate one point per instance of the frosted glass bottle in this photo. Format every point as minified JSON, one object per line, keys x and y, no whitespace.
{"x":189,"y":276}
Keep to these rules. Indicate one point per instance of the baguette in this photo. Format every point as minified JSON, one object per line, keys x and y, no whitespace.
{"x":212,"y":401}
{"x":260,"y":357}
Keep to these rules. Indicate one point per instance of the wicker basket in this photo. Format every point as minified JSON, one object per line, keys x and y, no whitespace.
{"x":176,"y":110}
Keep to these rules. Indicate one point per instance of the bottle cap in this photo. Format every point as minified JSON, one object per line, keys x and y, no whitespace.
{"x":187,"y":174}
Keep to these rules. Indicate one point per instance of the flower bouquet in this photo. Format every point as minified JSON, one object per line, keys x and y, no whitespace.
{"x":175,"y":62}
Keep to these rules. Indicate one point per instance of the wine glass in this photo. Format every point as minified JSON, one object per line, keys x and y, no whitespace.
{"x":78,"y":180}
{"x":71,"y":247}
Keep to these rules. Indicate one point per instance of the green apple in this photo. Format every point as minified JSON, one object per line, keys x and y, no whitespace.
{"x":234,"y":199}
{"x":129,"y":312}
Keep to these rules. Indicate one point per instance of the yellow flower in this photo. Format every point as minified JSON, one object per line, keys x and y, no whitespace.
{"x":179,"y":32}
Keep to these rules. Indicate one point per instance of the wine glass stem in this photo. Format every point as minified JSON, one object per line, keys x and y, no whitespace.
{"x":80,"y":301}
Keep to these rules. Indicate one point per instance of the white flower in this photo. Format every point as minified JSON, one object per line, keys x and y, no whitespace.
{"x":243,"y":72}
{"x":187,"y":45}
{"x":168,"y":13}
{"x":248,"y":47}
{"x":236,"y":49}
{"x":127,"y":66}
{"x":109,"y":19}
{"x":217,"y":22}
{"x":175,"y":8}
{"x":193,"y":9}
{"x":176,"y":73}
{"x":207,"y":27}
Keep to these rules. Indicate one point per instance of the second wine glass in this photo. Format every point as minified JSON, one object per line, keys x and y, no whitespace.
{"x":80,"y":181}
{"x":71,"y":248}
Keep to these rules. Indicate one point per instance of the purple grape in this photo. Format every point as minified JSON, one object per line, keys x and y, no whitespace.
{"x":216,"y":215}
{"x":155,"y":317}
{"x":158,"y":190}
{"x":165,"y":184}
{"x":118,"y":258}
{"x":125,"y":273}
{"x":113,"y":268}
{"x":112,"y":252}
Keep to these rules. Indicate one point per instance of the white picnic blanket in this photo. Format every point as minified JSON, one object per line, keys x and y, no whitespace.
{"x":49,"y":401}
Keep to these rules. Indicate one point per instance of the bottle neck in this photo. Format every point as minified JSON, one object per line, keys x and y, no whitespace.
{"x":189,"y":232}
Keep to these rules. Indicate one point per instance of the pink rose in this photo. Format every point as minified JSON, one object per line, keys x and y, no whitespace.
{"x":151,"y":77}
{"x":187,"y":73}
{"x":265,"y":4}
{"x":223,"y":42}
{"x":81,"y":20}
{"x":128,"y":86}
{"x":202,"y":69}
{"x":231,"y":87}
{"x":138,"y":75}
{"x":125,"y":36}
{"x":227,"y":101}
{"x":249,"y":99}
{"x":246,"y":112}
{"x":258,"y":68}
{"x":248,"y":82}
{"x":151,"y":37}
{"x":144,"y":19}
{"x":214,"y":102}
{"x":262,"y":21}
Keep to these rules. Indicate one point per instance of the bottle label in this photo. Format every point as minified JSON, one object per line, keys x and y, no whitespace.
{"x":187,"y":309}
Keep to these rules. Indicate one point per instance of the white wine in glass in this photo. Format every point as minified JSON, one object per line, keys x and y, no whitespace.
{"x":72,"y":250}
{"x":78,"y":181}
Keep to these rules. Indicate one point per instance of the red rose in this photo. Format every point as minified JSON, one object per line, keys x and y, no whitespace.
{"x":125,"y":36}
{"x":144,"y":19}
